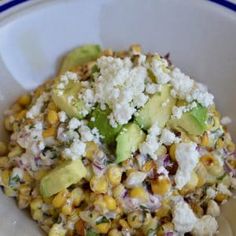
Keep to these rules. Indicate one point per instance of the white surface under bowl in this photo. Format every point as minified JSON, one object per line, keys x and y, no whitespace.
{"x":200,"y":35}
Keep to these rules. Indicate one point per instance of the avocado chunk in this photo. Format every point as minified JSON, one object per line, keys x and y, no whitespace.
{"x":66,"y":174}
{"x":68,"y":100}
{"x":101,"y":122}
{"x":127,"y":141}
{"x":157,"y":109}
{"x":193,"y":122}
{"x":79,"y":56}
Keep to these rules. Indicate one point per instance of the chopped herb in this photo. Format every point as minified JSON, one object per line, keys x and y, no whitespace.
{"x":13,"y":180}
{"x":90,"y":232}
{"x":151,"y":232}
{"x":101,"y":220}
{"x":31,"y":127}
{"x":221,"y":177}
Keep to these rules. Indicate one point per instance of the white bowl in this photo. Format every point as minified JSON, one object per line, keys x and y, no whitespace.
{"x":200,"y":35}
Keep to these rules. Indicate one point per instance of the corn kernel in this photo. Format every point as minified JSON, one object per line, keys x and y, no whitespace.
{"x":52,"y":106}
{"x":161,"y":151}
{"x":161,"y":185}
{"x":205,"y":140}
{"x":118,"y":191}
{"x":138,"y":192}
{"x":212,"y":165}
{"x":220,"y":197}
{"x":3,"y":148}
{"x":114,"y":232}
{"x":163,"y":211}
{"x":9,"y":192}
{"x":40,"y":174}
{"x":148,"y":166}
{"x":4,"y":162}
{"x":36,"y":204}
{"x":135,"y":49}
{"x":37,"y":215}
{"x":20,"y":115}
{"x":110,"y":202}
{"x":24,"y":100}
{"x":8,"y":123}
{"x":231,"y":146}
{"x":103,"y":228}
{"x":24,"y":190}
{"x":172,"y":152}
{"x":5,"y":177}
{"x":124,"y":224}
{"x":220,"y":143}
{"x":114,"y":175}
{"x":23,"y":201}
{"x":137,"y":219}
{"x":77,"y":196}
{"x":57,"y":230}
{"x":60,"y":199}
{"x":99,"y":184}
{"x":52,"y":117}
{"x":91,"y":150}
{"x":67,"y":209}
{"x":50,"y":132}
{"x":100,"y":204}
{"x":80,"y":228}
{"x":107,"y":52}
{"x":15,"y":151}
{"x":16,"y":108}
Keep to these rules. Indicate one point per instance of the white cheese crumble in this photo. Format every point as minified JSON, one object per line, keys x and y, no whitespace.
{"x":211,"y":193}
{"x":62,"y":116}
{"x":206,"y":226}
{"x":168,"y":137}
{"x":184,"y":218}
{"x":85,"y":133}
{"x":151,"y":144}
{"x":187,"y":157}
{"x":135,"y":178}
{"x":223,"y":189}
{"x":152,"y":88}
{"x":35,"y":110}
{"x":226,"y":120}
{"x":74,"y":123}
{"x":213,"y":208}
{"x":76,"y":150}
{"x":17,"y":172}
{"x":177,"y":112}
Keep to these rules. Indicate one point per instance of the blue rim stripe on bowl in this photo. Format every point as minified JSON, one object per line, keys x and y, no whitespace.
{"x":225,"y":3}
{"x":11,"y":4}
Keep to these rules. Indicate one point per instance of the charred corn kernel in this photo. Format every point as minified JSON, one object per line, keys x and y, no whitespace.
{"x":118,"y":191}
{"x":220,"y":197}
{"x":91,"y":150}
{"x":8,"y":124}
{"x":172,"y":152}
{"x":52,"y":117}
{"x":15,"y":151}
{"x":36,"y":204}
{"x":205,"y":140}
{"x":16,"y":108}
{"x":23,"y":201}
{"x":24,"y":100}
{"x":114,"y":174}
{"x":124,"y":224}
{"x":4,"y":162}
{"x":3,"y":148}
{"x":114,"y":232}
{"x":197,"y":209}
{"x":103,"y":228}
{"x":37,"y":215}
{"x":77,"y":196}
{"x":60,"y":199}
{"x":107,"y":52}
{"x":99,"y":184}
{"x":161,"y":185}
{"x":148,"y":166}
{"x":100,"y":204}
{"x":20,"y":115}
{"x":139,"y":193}
{"x":5,"y":177}
{"x":168,"y":227}
{"x":50,"y":132}
{"x":80,"y":228}
{"x":110,"y":202}
{"x":67,"y":209}
{"x":180,"y":103}
{"x":212,"y":165}
{"x":207,"y":160}
{"x":57,"y":230}
{"x":52,"y":106}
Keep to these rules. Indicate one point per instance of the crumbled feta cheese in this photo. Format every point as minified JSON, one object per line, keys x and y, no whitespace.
{"x":225,"y":120}
{"x":35,"y":110}
{"x":187,"y":157}
{"x":135,"y":178}
{"x":76,"y":150}
{"x":74,"y":123}
{"x":213,"y":208}
{"x":223,"y":189}
{"x":151,"y":144}
{"x":168,"y":137}
{"x":206,"y":226}
{"x":92,"y":119}
{"x":62,"y":116}
{"x":183,"y":217}
{"x":162,"y":171}
{"x":177,"y":112}
{"x":159,"y":69}
{"x":17,"y":172}
{"x":85,"y":133}
{"x":211,"y":193}
{"x":203,"y":97}
{"x":152,"y":88}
